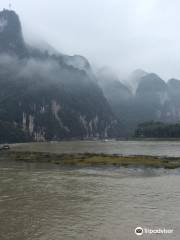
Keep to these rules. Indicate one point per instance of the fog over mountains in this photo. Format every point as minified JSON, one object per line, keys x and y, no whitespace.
{"x":145,"y":98}
{"x":46,"y":95}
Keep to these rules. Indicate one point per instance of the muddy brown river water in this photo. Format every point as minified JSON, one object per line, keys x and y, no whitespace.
{"x":49,"y":202}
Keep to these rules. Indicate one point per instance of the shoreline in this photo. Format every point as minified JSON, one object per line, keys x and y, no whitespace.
{"x":125,"y":139}
{"x":92,"y":159}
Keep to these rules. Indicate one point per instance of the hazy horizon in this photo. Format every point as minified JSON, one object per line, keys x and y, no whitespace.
{"x":123,"y":35}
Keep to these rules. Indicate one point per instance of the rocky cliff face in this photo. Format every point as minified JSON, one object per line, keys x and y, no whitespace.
{"x":11,"y":38}
{"x":172,"y":111}
{"x":151,"y":96}
{"x":152,"y":100}
{"x":120,"y":99}
{"x":163,"y":99}
{"x":49,"y":96}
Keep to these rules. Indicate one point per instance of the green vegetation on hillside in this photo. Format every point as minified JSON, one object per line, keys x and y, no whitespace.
{"x":158,"y":130}
{"x":10,"y":133}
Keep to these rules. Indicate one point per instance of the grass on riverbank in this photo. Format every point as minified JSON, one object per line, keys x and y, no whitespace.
{"x":90,"y":159}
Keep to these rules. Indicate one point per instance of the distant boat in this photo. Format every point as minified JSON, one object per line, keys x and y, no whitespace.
{"x":5,"y":147}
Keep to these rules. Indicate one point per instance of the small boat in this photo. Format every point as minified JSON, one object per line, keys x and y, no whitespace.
{"x":5,"y":147}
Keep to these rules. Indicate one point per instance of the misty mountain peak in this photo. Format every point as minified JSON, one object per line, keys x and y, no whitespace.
{"x":11,"y":38}
{"x":151,"y":82}
{"x":78,"y":62}
{"x":174,"y":82}
{"x":174,"y":88}
{"x":138,"y":73}
{"x":135,"y":78}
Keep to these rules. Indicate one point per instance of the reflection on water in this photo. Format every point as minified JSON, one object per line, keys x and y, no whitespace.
{"x":165,"y":148}
{"x":46,"y":202}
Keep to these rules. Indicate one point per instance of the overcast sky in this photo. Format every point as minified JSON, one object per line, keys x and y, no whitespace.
{"x":121,"y":34}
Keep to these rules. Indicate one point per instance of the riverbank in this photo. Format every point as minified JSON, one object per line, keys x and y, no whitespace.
{"x":90,"y":159}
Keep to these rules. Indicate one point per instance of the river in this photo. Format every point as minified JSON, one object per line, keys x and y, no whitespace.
{"x":157,"y":148}
{"x":49,"y":202}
